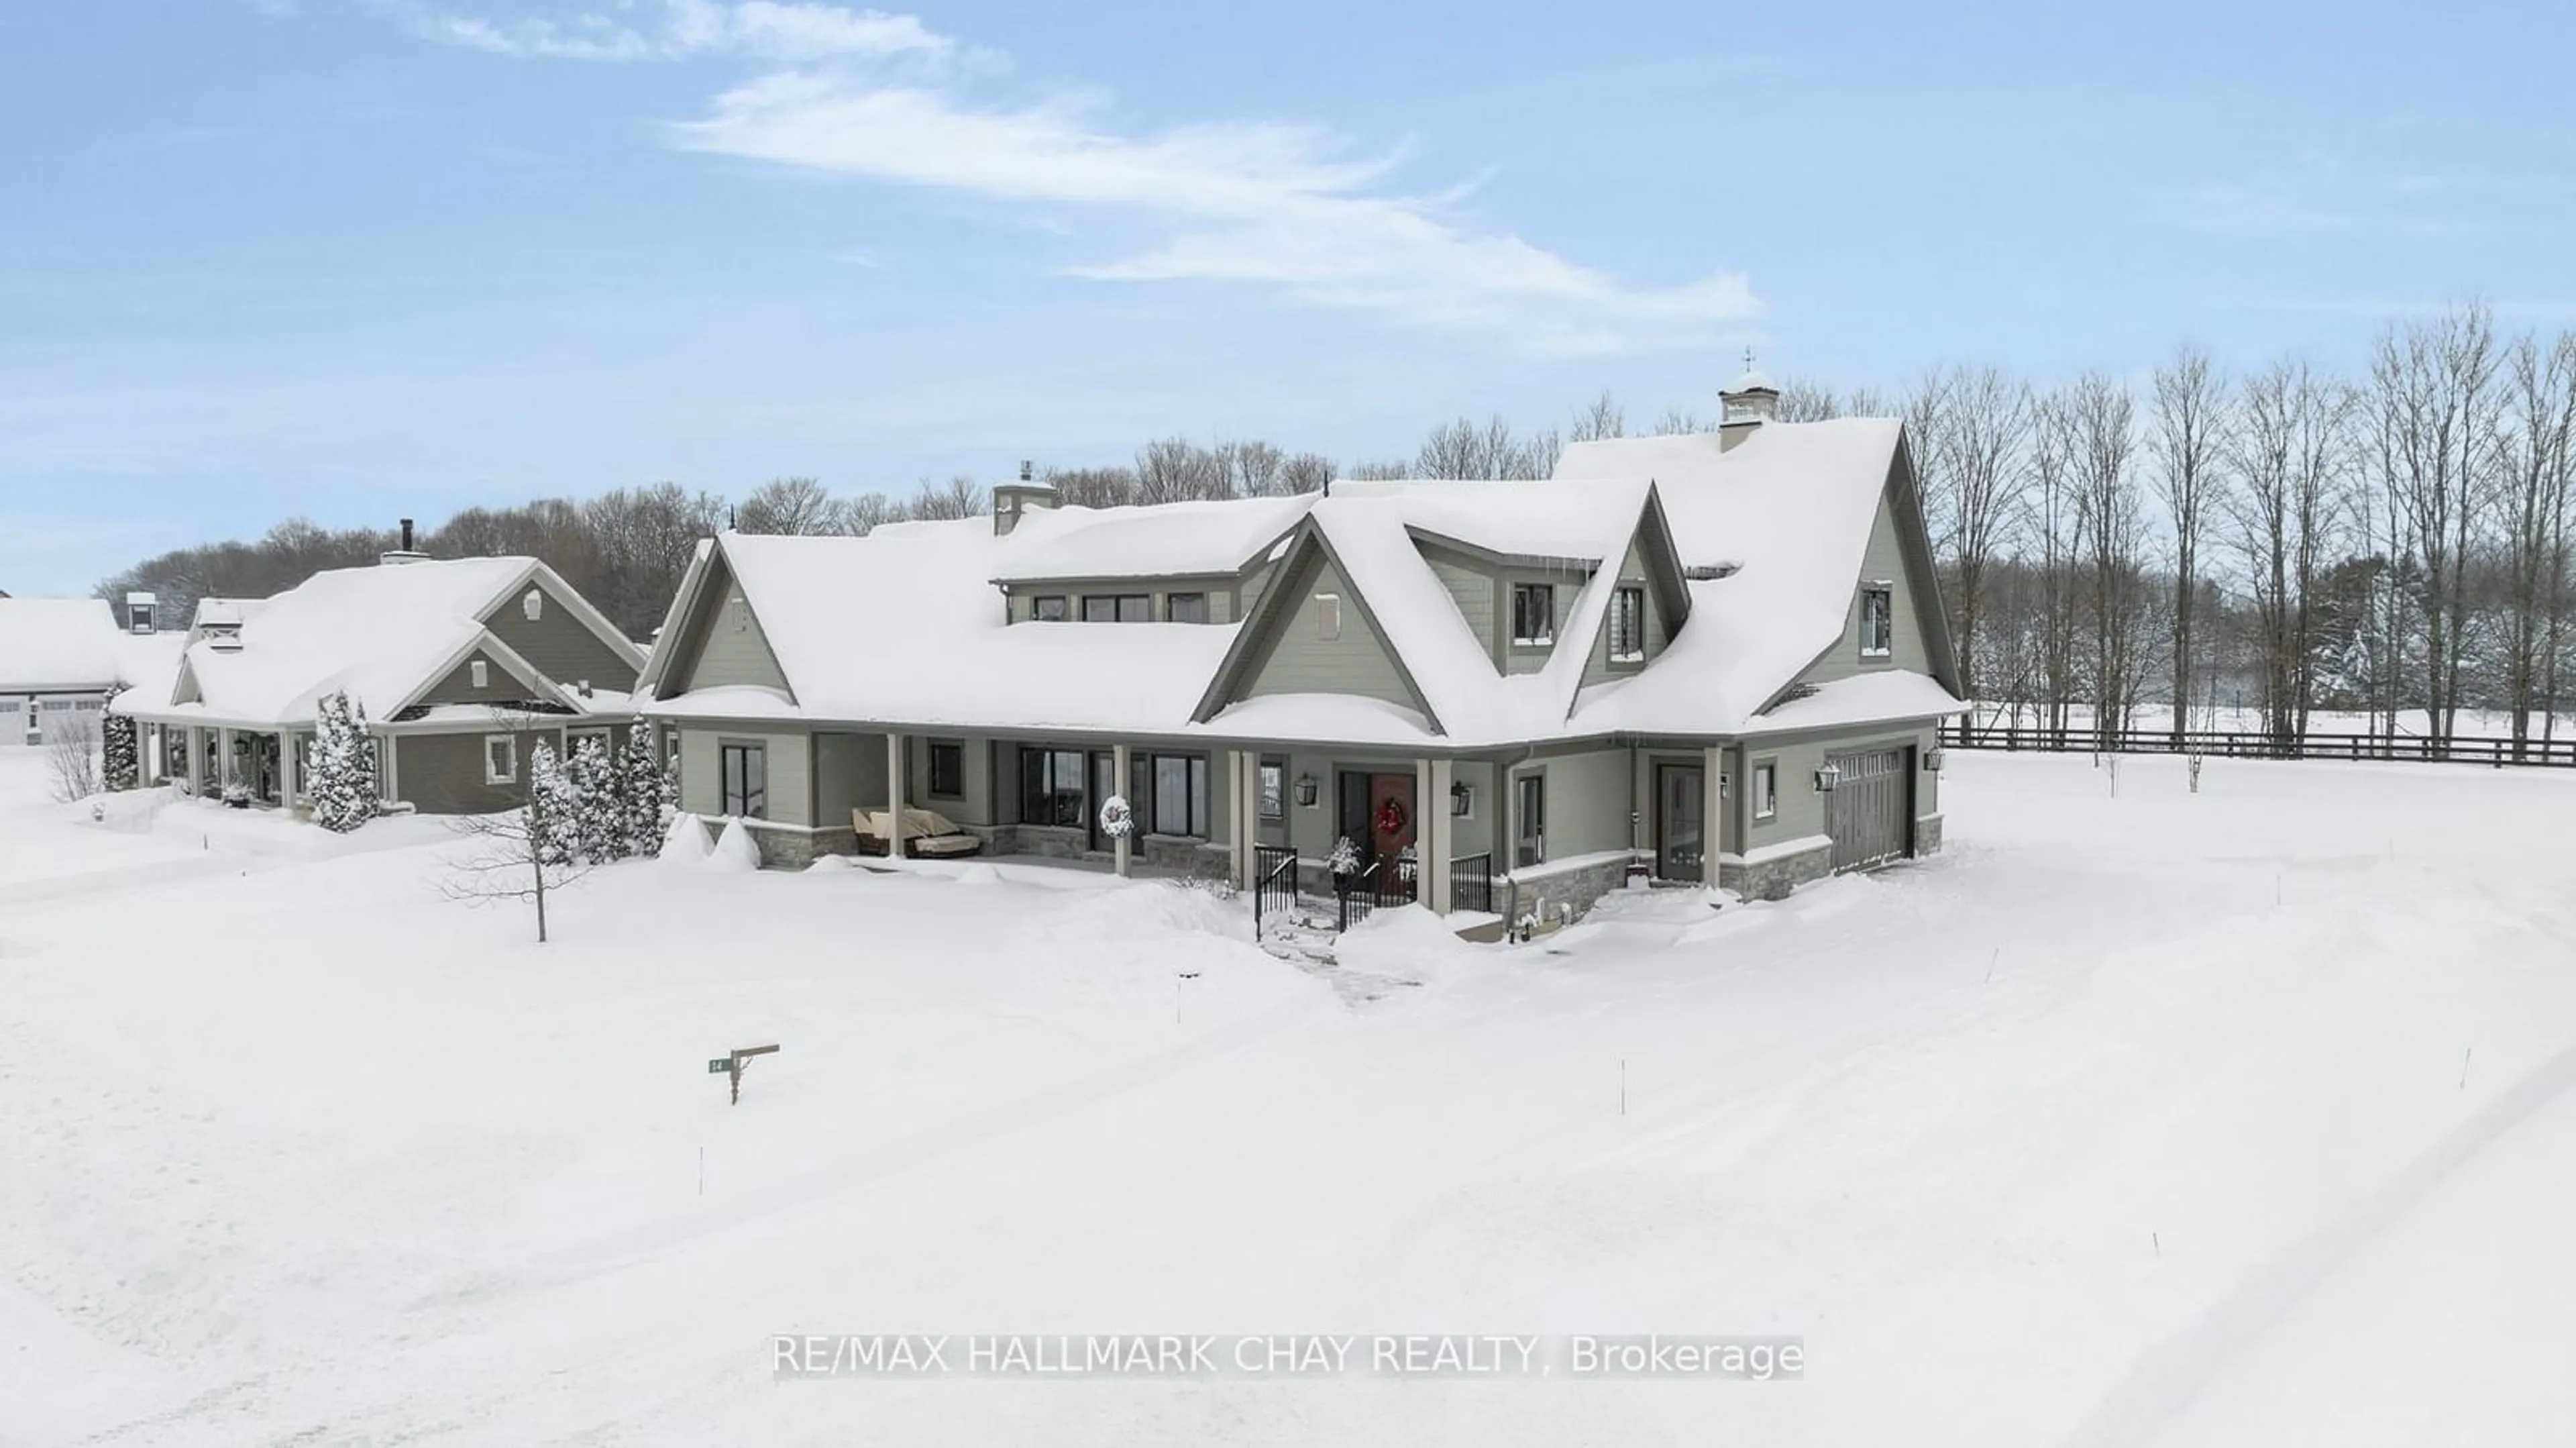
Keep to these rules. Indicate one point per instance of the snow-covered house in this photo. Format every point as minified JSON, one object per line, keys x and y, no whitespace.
{"x":461,"y":667}
{"x":59,"y":659}
{"x":1720,"y":658}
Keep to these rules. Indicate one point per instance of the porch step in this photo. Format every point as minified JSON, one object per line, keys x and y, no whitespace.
{"x":1306,"y":942}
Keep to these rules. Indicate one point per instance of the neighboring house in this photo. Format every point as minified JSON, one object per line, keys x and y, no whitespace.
{"x":1718,"y":657}
{"x":59,"y":659}
{"x":461,"y":666}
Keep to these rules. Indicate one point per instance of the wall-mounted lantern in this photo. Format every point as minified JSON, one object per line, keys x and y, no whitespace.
{"x":1827,"y":777}
{"x":1462,"y":800}
{"x":1305,"y":791}
{"x":1932,"y":760}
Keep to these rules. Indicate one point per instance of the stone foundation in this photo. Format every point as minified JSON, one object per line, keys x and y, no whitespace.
{"x":1774,"y":878}
{"x":1927,"y":834}
{"x":1581,"y":889}
{"x":793,"y":847}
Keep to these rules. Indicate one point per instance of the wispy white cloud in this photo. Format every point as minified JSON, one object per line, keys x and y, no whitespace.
{"x":645,"y":30}
{"x":1292,"y":208}
{"x":2319,"y":195}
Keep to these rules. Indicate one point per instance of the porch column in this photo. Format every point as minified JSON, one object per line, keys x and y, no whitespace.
{"x":188,"y":747}
{"x":1712,"y":813}
{"x":1242,"y":812}
{"x":894,"y":795}
{"x":1124,"y":846}
{"x":286,"y":781}
{"x":1443,"y":831}
{"x":225,"y":769}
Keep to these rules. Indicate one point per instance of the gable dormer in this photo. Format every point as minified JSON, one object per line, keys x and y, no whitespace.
{"x":1313,"y":632}
{"x":721,"y":642}
{"x":1892,"y":619}
{"x":561,"y":636}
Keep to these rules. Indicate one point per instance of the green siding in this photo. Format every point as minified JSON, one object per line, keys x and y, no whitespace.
{"x":443,"y":773}
{"x":790,"y":778}
{"x":1563,"y":585}
{"x":1296,"y":660}
{"x":1885,"y":560}
{"x":1632,"y":571}
{"x":1471,"y":587}
{"x":499,"y":686}
{"x":730,"y":645}
{"x":850,"y":773}
{"x":558,"y":644}
{"x":1587,"y":802}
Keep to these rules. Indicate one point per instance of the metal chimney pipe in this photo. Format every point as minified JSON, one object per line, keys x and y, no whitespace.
{"x":406,"y":543}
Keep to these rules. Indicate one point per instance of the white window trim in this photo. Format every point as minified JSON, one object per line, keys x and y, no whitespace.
{"x":1887,"y":638}
{"x":1539,"y":641}
{"x":1766,"y":789}
{"x":491,"y":776}
{"x":1636,"y":655}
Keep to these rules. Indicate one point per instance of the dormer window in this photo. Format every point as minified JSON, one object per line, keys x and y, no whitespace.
{"x":1628,"y":624}
{"x":1533,"y":614}
{"x":1877,"y":620}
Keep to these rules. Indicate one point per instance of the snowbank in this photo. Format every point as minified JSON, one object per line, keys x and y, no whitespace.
{"x":685,"y":843}
{"x":735,"y":850}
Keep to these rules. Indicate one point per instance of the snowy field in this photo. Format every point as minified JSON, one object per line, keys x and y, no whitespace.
{"x":2242,"y":1117}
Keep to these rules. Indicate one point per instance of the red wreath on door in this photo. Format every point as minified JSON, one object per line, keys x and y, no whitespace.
{"x":1390,"y":816}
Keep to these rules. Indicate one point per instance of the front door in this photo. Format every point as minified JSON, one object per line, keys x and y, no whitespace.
{"x":1681,"y":798}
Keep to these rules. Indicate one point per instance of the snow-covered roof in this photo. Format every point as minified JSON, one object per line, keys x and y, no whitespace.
{"x":1791,"y":509}
{"x":1210,"y":537}
{"x":381,"y":633}
{"x":939,"y":652}
{"x":1751,"y":380}
{"x":59,"y":643}
{"x":225,"y":612}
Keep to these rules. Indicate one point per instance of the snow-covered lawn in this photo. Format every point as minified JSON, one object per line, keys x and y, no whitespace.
{"x":2238,"y":1117}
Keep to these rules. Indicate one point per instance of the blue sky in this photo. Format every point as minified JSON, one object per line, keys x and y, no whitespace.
{"x":356,"y":259}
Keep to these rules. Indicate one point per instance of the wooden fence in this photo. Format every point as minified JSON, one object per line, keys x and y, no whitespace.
{"x":2497,"y":753}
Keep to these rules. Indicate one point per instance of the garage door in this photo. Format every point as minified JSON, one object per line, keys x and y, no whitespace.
{"x":1870,"y":814}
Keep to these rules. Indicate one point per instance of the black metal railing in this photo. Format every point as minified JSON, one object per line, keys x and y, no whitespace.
{"x":2237,"y":744}
{"x":1274,"y":882}
{"x":1471,"y":883}
{"x":1381,"y":882}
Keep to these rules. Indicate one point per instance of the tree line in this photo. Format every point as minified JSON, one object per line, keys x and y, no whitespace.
{"x":2388,"y":541}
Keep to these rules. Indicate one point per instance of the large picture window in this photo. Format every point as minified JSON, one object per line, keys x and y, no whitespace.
{"x":1117,"y":608}
{"x":1533,"y":613}
{"x":1628,"y":624}
{"x":745,"y":770}
{"x":1051,"y":787}
{"x":1180,"y":795}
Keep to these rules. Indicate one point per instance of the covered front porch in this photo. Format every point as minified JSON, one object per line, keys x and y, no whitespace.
{"x":255,"y":768}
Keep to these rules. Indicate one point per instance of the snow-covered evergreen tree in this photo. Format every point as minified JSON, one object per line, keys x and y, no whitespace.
{"x":120,"y":764}
{"x":600,"y":832}
{"x":551,"y":811}
{"x":343,"y":786}
{"x":651,"y":793}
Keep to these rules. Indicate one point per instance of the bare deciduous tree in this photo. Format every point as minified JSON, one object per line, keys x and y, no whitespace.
{"x":959,"y":497}
{"x":2436,"y":409}
{"x":2539,"y":454}
{"x":2187,"y":433}
{"x":71,"y":755}
{"x":1600,"y":418}
{"x":2286,"y":459}
{"x":1971,"y":436}
{"x":795,"y":506}
{"x":1305,"y":472}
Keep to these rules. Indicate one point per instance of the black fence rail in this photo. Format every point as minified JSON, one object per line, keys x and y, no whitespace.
{"x":1274,"y":883}
{"x":2230,"y":744}
{"x":1471,"y":883}
{"x":1380,"y":882}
